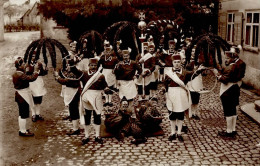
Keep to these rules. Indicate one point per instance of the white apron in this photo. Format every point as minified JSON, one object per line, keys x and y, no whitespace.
{"x":177,"y":99}
{"x":68,"y":94}
{"x":183,"y":101}
{"x":37,"y":87}
{"x":82,"y":105}
{"x":92,"y":100}
{"x":127,"y":88}
{"x":109,"y":76}
{"x":27,"y":96}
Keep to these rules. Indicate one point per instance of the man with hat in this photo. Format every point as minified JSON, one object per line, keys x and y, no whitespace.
{"x":148,"y":61}
{"x":178,"y":96}
{"x":37,"y":87}
{"x":71,"y":92}
{"x":165,"y":57}
{"x":23,"y":95}
{"x":108,"y":61}
{"x":229,"y":77}
{"x":91,"y":99}
{"x":85,"y":55}
{"x":125,"y":72}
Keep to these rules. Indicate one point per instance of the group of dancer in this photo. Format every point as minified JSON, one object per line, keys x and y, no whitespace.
{"x":86,"y":77}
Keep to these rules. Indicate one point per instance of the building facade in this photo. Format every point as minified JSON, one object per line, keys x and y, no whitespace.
{"x":30,"y":17}
{"x":239,"y":24}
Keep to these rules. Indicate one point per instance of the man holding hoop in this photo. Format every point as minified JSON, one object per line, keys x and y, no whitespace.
{"x":229,"y":92}
{"x":23,"y":95}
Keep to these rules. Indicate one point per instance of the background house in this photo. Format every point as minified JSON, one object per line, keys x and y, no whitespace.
{"x":239,"y":23}
{"x":30,"y":17}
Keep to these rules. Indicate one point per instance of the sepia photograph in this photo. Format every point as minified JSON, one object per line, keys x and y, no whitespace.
{"x":129,"y":82}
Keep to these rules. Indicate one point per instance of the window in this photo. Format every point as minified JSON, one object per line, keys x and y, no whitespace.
{"x":252,"y":29}
{"x":230,"y":27}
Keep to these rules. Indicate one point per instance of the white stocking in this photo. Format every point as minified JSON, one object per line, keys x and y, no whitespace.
{"x":229,"y":124}
{"x":179,"y":124}
{"x":75,"y":124}
{"x":97,"y":129}
{"x":234,"y":122}
{"x":86,"y":130}
{"x":22,"y":125}
{"x":38,"y":109}
{"x":109,"y":98}
{"x":173,"y":126}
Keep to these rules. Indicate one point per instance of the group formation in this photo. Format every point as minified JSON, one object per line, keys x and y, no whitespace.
{"x":87,"y":78}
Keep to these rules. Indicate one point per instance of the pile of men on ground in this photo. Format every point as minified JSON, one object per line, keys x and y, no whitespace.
{"x":88,"y":78}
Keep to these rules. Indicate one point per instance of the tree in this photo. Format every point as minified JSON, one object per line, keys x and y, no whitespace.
{"x":2,"y":19}
{"x":80,"y":16}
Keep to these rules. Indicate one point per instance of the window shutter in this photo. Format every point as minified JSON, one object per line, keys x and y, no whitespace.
{"x":222,"y":27}
{"x":238,"y":28}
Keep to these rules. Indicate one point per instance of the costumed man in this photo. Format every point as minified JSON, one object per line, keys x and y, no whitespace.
{"x":108,"y":61}
{"x":23,"y":95}
{"x":148,"y":114}
{"x":94,"y":83}
{"x":194,"y":85}
{"x":119,"y":51}
{"x":126,"y":71}
{"x":229,"y":92}
{"x":154,"y":83}
{"x":158,"y":55}
{"x":148,"y":61}
{"x":71,"y":92}
{"x":86,"y":54}
{"x":37,"y":87}
{"x":72,"y":55}
{"x":178,"y":96}
{"x":139,"y":81}
{"x":122,"y":124}
{"x":166,"y":56}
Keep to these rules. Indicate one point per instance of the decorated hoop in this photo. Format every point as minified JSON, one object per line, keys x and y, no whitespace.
{"x":208,"y":81}
{"x":67,"y":74}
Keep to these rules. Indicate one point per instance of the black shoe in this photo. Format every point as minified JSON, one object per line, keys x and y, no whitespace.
{"x":106,"y":104}
{"x":195,"y":117}
{"x":172,"y":137}
{"x":74,"y":132}
{"x":110,"y":104}
{"x":225,"y":134}
{"x":26,"y":134}
{"x":180,"y":138}
{"x":99,"y":140}
{"x":234,"y":133}
{"x":39,"y":117}
{"x":85,"y":141}
{"x":138,"y":141}
{"x":34,"y":118}
{"x":185,"y":129}
{"x":120,"y":136}
{"x":66,"y":118}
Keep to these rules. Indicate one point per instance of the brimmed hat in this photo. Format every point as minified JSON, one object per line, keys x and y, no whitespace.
{"x":176,"y":57}
{"x":93,"y":60}
{"x":230,"y":54}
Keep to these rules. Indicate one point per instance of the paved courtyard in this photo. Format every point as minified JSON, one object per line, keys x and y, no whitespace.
{"x":202,"y":145}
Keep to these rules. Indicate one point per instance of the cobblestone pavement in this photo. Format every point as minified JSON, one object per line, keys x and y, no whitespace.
{"x":202,"y":145}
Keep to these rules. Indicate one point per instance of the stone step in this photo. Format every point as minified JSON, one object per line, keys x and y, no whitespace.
{"x":250,"y":110}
